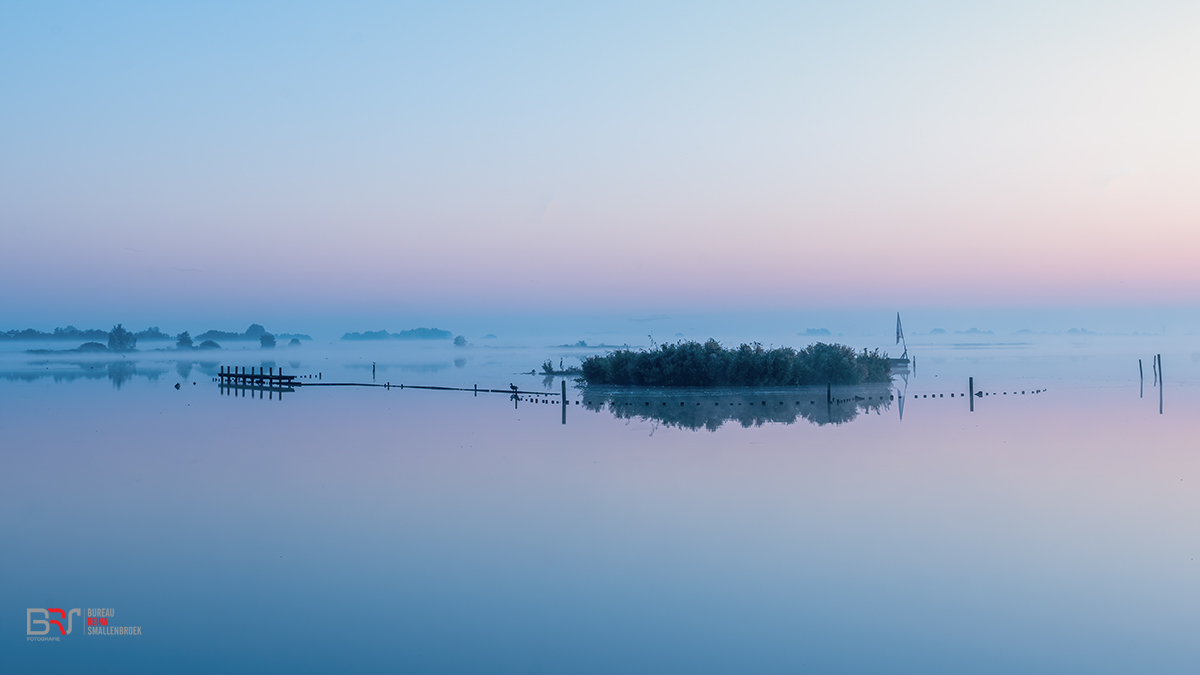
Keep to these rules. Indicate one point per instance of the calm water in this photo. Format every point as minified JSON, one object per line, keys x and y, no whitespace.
{"x":386,"y":530}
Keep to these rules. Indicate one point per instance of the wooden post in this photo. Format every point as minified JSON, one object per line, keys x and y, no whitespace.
{"x":564,"y":401}
{"x":828,"y":393}
{"x":1141,"y":380}
{"x":1161,"y":383}
{"x":971,"y":392}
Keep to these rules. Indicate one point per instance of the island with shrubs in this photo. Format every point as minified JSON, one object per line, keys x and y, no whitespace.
{"x":708,"y":364}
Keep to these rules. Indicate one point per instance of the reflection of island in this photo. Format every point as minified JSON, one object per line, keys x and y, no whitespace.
{"x":710,"y":409}
{"x":119,"y":371}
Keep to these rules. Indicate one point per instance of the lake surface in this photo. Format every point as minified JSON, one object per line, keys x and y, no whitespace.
{"x":402,"y":530}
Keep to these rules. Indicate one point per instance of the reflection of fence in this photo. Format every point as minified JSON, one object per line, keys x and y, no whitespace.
{"x":241,"y":389}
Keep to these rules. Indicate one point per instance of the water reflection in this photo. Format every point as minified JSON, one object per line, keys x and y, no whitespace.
{"x":697,"y":409}
{"x":119,"y":371}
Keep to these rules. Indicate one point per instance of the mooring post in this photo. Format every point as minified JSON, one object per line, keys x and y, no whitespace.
{"x":476,"y":390}
{"x":564,"y":401}
{"x":971,"y":392}
{"x":1161,"y":383}
{"x":828,"y":393}
{"x":1141,"y":380}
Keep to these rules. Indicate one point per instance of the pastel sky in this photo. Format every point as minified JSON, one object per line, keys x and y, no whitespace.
{"x":166,"y":158}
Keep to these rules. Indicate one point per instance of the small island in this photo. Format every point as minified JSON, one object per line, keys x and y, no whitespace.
{"x":708,"y":364}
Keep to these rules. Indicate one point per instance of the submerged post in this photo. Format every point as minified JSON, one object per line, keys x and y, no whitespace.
{"x":971,"y":392}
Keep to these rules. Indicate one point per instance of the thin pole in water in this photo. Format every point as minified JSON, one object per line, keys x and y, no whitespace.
{"x":971,"y":392}
{"x":1160,"y":384}
{"x":1141,"y":381}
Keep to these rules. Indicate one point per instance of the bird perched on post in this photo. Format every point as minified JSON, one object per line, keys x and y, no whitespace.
{"x":513,"y":387}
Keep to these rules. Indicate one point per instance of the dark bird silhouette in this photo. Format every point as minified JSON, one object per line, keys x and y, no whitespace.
{"x":512,"y":386}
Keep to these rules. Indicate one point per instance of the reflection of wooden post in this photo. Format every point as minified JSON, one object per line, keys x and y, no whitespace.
{"x":1141,"y":380}
{"x":971,"y":392}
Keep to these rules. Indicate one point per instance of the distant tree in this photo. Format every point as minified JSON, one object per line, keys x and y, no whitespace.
{"x":460,"y":341}
{"x":267,"y":341}
{"x":183,"y":341}
{"x":151,"y":333}
{"x":255,"y":331}
{"x":121,"y":340}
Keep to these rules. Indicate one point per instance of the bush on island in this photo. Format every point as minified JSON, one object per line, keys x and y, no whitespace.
{"x":692,"y":364}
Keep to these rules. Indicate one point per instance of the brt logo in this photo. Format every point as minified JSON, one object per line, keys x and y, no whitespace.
{"x":47,"y":621}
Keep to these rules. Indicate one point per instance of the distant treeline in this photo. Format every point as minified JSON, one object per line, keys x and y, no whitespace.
{"x":73,"y":333}
{"x":692,"y":364}
{"x":414,"y":334}
{"x":254,"y":332}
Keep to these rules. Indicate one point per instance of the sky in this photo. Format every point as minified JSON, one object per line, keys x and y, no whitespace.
{"x":358,"y":162}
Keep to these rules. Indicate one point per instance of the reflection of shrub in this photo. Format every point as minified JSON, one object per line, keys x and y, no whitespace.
{"x":183,"y":341}
{"x":121,"y":340}
{"x":692,"y":364}
{"x":209,"y":344}
{"x":267,"y":341}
